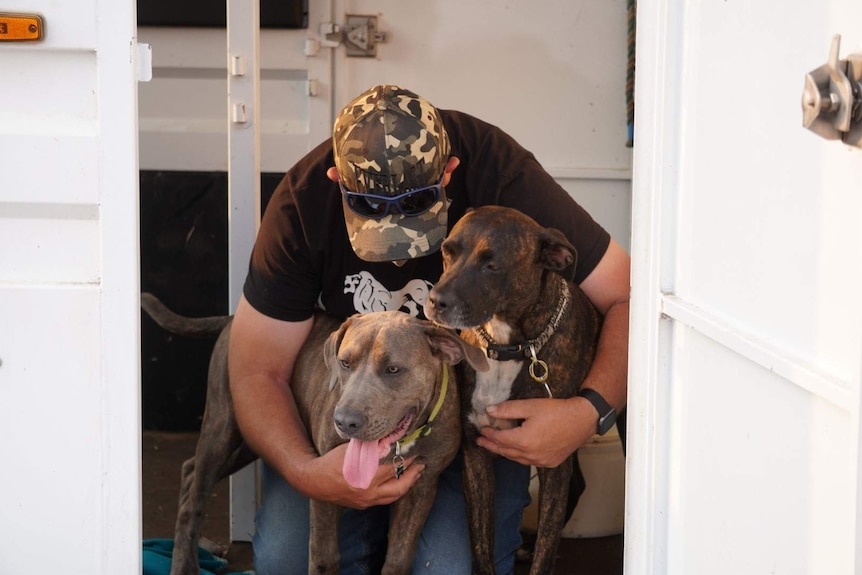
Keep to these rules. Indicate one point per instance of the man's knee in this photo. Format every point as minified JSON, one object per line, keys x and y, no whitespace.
{"x":281,"y":538}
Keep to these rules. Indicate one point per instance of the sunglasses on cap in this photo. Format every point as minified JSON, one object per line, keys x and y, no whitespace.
{"x":411,"y":203}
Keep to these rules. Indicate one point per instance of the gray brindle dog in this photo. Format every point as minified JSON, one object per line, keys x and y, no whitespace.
{"x":380,"y":381}
{"x":501,"y":285}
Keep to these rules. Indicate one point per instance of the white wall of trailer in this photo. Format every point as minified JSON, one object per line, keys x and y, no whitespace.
{"x":69,"y":342}
{"x":746,"y":343}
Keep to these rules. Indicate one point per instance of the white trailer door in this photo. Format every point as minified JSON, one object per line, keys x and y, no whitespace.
{"x":744,"y":431}
{"x":69,"y":343}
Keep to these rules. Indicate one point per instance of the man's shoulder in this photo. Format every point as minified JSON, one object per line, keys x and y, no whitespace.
{"x":464,"y":121}
{"x":317,"y":159}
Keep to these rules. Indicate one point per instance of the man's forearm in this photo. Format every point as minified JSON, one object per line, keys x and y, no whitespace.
{"x":609,"y":372}
{"x":270,"y":423}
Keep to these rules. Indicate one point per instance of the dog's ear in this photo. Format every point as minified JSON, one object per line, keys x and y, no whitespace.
{"x":450,"y":348}
{"x":556,"y":252}
{"x":330,"y":350}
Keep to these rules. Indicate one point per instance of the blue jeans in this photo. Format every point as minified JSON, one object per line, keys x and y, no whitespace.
{"x":281,"y":540}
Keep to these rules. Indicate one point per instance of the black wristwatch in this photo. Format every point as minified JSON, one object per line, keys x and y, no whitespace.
{"x":607,"y":414}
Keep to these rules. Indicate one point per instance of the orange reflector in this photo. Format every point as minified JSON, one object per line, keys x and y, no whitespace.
{"x":20,"y":27}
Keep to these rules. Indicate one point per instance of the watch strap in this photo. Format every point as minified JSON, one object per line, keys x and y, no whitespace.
{"x":607,"y":414}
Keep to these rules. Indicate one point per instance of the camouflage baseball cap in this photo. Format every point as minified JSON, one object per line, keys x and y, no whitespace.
{"x":386,"y":142}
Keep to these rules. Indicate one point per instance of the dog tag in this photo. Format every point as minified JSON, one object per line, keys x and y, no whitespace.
{"x":540,"y":376}
{"x":398,"y":462}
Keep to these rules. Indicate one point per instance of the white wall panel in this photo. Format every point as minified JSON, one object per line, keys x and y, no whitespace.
{"x":183,"y":109}
{"x":608,"y":201}
{"x":552,"y":74}
{"x":50,"y":396}
{"x":64,"y":105}
{"x":183,"y":124}
{"x":44,"y":168}
{"x":53,"y":243}
{"x":760,"y":484}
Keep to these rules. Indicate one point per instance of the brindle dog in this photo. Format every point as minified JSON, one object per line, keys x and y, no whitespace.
{"x":501,"y":285}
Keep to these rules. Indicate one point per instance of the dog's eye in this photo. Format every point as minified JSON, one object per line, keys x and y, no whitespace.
{"x":344,"y":363}
{"x":392,"y":369}
{"x":447,"y":249}
{"x":492,"y":267}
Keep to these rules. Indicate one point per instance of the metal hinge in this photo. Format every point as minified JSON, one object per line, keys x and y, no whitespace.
{"x":359,"y":34}
{"x":832,"y":98}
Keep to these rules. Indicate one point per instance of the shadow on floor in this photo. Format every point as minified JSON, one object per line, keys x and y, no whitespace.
{"x":163,"y":456}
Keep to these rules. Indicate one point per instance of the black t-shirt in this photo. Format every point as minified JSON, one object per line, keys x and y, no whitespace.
{"x":302,"y":258}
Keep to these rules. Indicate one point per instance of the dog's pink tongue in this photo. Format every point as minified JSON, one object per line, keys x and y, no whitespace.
{"x":360,"y":462}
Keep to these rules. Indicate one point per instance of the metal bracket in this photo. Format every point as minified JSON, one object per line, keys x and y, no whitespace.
{"x":359,"y":34}
{"x":832,"y":98}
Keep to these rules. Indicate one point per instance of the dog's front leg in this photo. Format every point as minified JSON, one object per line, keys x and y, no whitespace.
{"x":323,"y":557}
{"x":407,"y":520}
{"x":479,"y":494}
{"x":553,"y":491}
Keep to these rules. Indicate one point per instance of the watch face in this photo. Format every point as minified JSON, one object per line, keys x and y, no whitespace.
{"x":607,"y":421}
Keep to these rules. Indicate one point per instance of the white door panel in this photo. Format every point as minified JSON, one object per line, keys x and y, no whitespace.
{"x":50,"y":369}
{"x":752,"y":457}
{"x":65,"y":165}
{"x":746,"y":342}
{"x":42,"y":235}
{"x":70,"y":343}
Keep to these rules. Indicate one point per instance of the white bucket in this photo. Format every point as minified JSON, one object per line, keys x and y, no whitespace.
{"x":601,"y":509}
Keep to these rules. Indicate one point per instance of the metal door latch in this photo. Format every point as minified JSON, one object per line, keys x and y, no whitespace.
{"x":359,"y":33}
{"x":832,"y":98}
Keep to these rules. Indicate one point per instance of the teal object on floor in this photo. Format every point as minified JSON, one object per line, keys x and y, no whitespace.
{"x":157,"y":559}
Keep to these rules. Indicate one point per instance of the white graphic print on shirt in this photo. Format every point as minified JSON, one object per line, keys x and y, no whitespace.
{"x":370,"y":295}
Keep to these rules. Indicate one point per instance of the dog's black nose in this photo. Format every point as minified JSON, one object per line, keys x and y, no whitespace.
{"x":349,"y":421}
{"x":437,"y":302}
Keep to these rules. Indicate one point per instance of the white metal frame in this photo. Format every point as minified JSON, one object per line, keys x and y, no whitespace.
{"x":657,"y":66}
{"x":243,"y":116}
{"x":120,"y":286}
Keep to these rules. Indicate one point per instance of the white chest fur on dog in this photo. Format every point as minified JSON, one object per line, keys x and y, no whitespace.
{"x":495,"y":385}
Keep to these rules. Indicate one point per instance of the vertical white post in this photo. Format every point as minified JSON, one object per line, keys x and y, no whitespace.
{"x":653,"y":246}
{"x":857,"y":468}
{"x":243,"y":101}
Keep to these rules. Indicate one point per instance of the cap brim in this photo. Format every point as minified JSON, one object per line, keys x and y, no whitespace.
{"x":395,"y":236}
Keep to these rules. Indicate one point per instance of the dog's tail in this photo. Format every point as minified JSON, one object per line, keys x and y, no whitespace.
{"x":181,"y":325}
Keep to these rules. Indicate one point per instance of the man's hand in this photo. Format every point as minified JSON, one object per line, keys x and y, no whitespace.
{"x":323,"y":480}
{"x":551,"y":431}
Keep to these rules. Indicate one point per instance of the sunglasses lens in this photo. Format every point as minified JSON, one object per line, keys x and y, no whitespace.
{"x":418,"y":202}
{"x":367,"y":207}
{"x":412,"y":203}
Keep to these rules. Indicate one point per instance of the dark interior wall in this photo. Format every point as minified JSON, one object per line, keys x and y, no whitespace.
{"x":207,"y":13}
{"x":184,"y":263}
